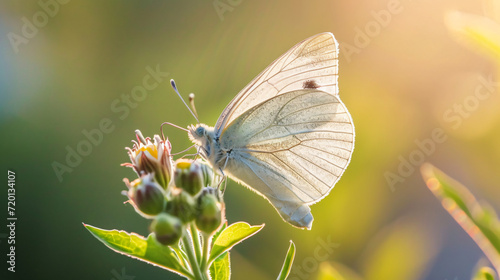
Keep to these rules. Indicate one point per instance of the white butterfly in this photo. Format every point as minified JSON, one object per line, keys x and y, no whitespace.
{"x":286,"y":135}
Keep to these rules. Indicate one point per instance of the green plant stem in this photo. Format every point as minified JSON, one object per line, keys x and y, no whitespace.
{"x":207,"y":275}
{"x":188,"y":247}
{"x":206,"y":251}
{"x":185,"y":271}
{"x":180,"y":255}
{"x":181,"y":261}
{"x":196,"y":241}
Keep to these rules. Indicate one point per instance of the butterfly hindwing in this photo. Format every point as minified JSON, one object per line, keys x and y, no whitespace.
{"x":291,"y":149}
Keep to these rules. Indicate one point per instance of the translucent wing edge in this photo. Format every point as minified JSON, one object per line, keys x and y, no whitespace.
{"x":348,"y":161}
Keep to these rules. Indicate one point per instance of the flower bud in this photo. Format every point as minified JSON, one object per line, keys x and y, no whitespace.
{"x":152,"y":157}
{"x":188,"y":176}
{"x":208,"y":174}
{"x":167,"y":229}
{"x":182,"y":205}
{"x":209,"y":212}
{"x":147,"y":196}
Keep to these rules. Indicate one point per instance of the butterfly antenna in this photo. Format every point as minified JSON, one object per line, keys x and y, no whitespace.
{"x":191,"y":102}
{"x":172,"y":83}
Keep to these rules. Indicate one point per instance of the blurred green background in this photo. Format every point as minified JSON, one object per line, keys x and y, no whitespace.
{"x":402,"y":75}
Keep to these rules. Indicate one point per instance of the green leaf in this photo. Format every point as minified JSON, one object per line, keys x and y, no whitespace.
{"x":484,"y":273}
{"x":478,"y":31}
{"x":138,"y":247}
{"x":287,"y":265}
{"x":231,"y":236}
{"x":221,"y":229}
{"x":477,"y":219}
{"x":221,"y":267}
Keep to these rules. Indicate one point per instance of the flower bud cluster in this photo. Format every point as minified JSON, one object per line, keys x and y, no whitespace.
{"x":173,"y":195}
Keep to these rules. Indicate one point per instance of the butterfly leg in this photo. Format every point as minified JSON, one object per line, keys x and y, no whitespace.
{"x":190,"y":155}
{"x":223,"y":179}
{"x":224,"y":176}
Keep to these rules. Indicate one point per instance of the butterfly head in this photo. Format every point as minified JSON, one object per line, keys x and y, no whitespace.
{"x":201,"y":134}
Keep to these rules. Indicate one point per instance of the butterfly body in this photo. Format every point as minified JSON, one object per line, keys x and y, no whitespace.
{"x":286,"y":135}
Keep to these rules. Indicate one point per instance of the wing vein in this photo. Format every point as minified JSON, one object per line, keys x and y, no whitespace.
{"x":300,"y":175}
{"x":326,"y":170}
{"x":277,"y":174}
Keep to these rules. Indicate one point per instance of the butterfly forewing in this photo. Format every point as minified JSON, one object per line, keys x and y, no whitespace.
{"x":287,"y":135}
{"x":314,"y":59}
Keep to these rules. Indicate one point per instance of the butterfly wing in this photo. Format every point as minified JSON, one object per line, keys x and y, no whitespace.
{"x":291,"y":149}
{"x":313,"y":60}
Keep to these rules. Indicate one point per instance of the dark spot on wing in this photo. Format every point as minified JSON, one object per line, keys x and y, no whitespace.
{"x":310,"y":84}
